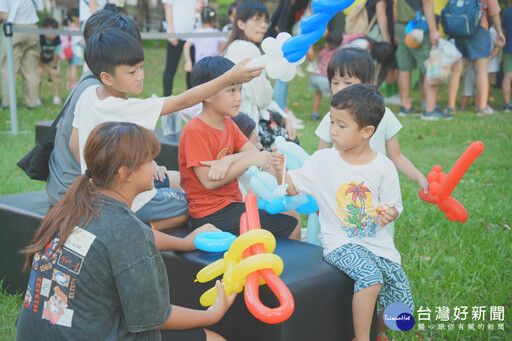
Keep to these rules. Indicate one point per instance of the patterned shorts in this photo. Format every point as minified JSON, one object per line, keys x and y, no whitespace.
{"x":366,"y":269}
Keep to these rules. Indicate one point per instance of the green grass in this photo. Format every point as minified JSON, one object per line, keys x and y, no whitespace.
{"x":448,"y":264}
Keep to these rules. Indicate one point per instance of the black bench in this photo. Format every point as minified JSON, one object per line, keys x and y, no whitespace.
{"x":168,"y":156}
{"x":322,"y":294}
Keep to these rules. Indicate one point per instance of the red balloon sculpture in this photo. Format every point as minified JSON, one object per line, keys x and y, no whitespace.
{"x":442,"y":184}
{"x":250,"y":220}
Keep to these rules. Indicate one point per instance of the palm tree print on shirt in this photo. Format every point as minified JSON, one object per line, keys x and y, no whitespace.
{"x":355,"y":210}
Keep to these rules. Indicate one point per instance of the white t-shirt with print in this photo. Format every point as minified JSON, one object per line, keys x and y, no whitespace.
{"x":91,"y":111}
{"x":347,"y":196}
{"x":388,"y":127}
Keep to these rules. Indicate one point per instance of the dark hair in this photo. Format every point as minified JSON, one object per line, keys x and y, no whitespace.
{"x":103,"y":20}
{"x":352,"y":62}
{"x":71,"y":14}
{"x":363,"y":101}
{"x":110,"y":48}
{"x":208,"y":15}
{"x":245,"y":124}
{"x":334,"y":39}
{"x":384,"y":54}
{"x":245,"y":11}
{"x":232,"y":6}
{"x":109,"y":147}
{"x":49,"y":22}
{"x":209,"y":68}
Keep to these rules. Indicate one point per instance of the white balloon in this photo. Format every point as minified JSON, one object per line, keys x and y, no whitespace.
{"x":300,"y":61}
{"x":289,"y":73}
{"x":259,"y":61}
{"x":277,"y":67}
{"x":282,"y":37}
{"x":272,"y":48}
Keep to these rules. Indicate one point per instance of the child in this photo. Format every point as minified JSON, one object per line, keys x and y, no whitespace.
{"x":77,"y":60}
{"x":102,"y":276}
{"x":318,"y":82}
{"x":214,"y":153}
{"x":355,"y":66}
{"x":116,"y":59}
{"x":351,"y":184}
{"x":507,"y":58}
{"x":49,"y":59}
{"x":205,"y":46}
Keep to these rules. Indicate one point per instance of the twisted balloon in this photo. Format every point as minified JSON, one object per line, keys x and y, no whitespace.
{"x":313,"y":27}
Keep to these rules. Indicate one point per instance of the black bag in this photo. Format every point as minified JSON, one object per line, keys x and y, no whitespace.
{"x":35,"y":163}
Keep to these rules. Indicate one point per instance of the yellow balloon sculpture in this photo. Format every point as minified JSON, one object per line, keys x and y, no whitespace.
{"x":235,"y":268}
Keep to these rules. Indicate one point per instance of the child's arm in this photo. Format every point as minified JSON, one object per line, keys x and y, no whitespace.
{"x":219,"y":168}
{"x":186,"y":318}
{"x":279,"y":167}
{"x":322,"y":144}
{"x":165,"y":242}
{"x":494,"y":52}
{"x":403,"y":164}
{"x":238,"y":74}
{"x":74,"y":144}
{"x":249,"y":158}
{"x":188,"y":59}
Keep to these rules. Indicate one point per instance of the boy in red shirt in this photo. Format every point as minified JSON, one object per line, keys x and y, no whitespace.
{"x":214,"y":152}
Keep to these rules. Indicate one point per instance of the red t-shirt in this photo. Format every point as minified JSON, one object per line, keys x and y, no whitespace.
{"x":200,"y":142}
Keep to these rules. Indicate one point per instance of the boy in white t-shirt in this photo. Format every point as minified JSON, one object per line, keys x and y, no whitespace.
{"x":358,"y":193}
{"x":353,"y":65}
{"x":116,"y":59}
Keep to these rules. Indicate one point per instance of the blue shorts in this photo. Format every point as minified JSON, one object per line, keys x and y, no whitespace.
{"x":476,"y":46}
{"x":366,"y":269}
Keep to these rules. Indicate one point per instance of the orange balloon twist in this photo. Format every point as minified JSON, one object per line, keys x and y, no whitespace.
{"x":251,"y":221}
{"x":441,"y":185}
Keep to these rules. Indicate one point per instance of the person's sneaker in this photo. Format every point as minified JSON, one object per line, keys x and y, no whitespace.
{"x":407,"y":112}
{"x":315,"y":116}
{"x":485,"y":112}
{"x":507,"y":107}
{"x":393,"y":100}
{"x":449,"y":111}
{"x":435,"y":115}
{"x":313,"y":68}
{"x":299,"y":72}
{"x":57,"y":101}
{"x":39,"y":102}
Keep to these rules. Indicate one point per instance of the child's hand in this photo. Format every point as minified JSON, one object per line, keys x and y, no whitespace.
{"x":189,"y":239}
{"x":423,"y":182}
{"x":242,"y":74}
{"x":222,"y":303}
{"x":188,"y":66}
{"x":159,"y":172}
{"x":263,"y":159}
{"x":386,"y":214}
{"x":277,"y":160}
{"x":218,"y":168}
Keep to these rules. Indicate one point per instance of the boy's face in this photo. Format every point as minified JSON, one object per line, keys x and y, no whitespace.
{"x":339,"y":83}
{"x":227,"y":101}
{"x":345,"y":131}
{"x":126,"y":79}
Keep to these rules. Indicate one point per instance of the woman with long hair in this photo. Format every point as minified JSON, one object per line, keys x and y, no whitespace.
{"x":96,"y":272}
{"x":251,"y":24}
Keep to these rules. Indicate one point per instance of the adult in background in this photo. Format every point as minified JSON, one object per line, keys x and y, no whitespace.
{"x":87,"y":8}
{"x":22,"y":14}
{"x":410,"y":58}
{"x":180,"y":17}
{"x":477,"y":50}
{"x":250,"y":27}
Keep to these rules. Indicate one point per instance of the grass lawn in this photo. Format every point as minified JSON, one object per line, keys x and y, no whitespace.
{"x":448,"y":264}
